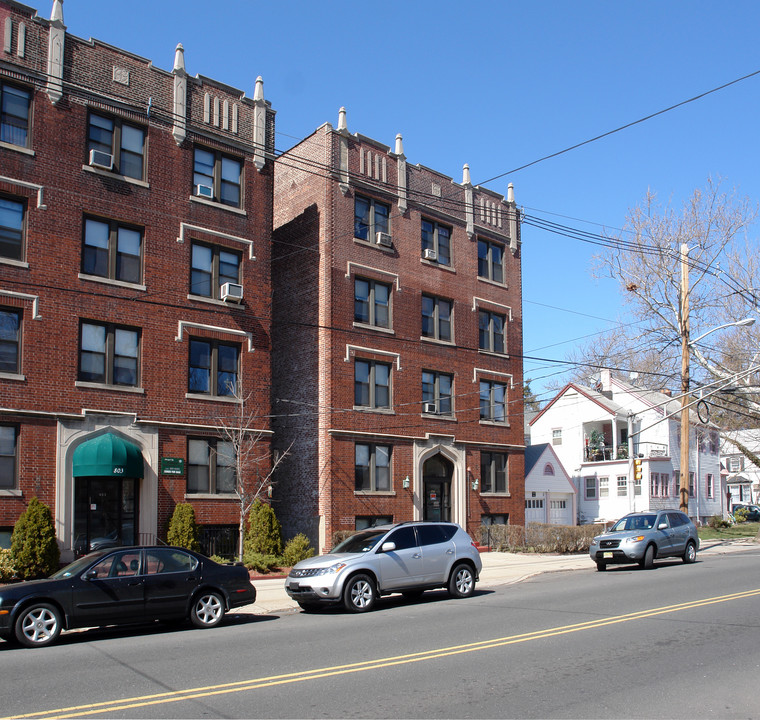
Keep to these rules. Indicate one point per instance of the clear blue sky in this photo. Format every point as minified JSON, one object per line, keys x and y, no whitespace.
{"x":497,"y":85}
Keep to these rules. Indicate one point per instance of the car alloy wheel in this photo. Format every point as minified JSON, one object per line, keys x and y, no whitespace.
{"x":462,"y":581}
{"x":359,"y":594}
{"x":38,"y":625}
{"x":690,"y":554}
{"x":208,"y":610}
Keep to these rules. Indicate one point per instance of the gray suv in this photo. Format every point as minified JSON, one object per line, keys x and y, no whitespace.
{"x":408,"y":557}
{"x":643,"y":536}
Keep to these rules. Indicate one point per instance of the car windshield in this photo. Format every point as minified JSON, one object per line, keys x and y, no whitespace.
{"x":75,"y":567}
{"x":361,"y":542}
{"x":634,"y":522}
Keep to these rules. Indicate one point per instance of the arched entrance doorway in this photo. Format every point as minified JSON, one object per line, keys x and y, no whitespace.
{"x":107,"y":471}
{"x":437,"y":473}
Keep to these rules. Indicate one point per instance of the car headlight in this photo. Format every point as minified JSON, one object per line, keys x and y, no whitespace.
{"x":635,"y":539}
{"x":332,"y":569}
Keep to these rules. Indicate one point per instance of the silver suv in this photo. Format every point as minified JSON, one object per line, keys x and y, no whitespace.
{"x":408,"y":557}
{"x":643,"y":536}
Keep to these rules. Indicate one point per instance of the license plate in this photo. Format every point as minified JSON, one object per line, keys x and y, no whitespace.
{"x":607,"y":555}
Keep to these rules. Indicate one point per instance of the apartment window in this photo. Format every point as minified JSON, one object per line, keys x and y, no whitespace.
{"x":495,"y":519}
{"x":112,"y":251}
{"x":211,"y":267}
{"x":491,"y":261}
{"x":736,"y":464}
{"x":15,"y":104}
{"x":590,"y":488}
{"x":217,"y":177}
{"x":604,"y":487}
{"x":493,"y":472}
{"x":622,"y":486}
{"x":654,"y":484}
{"x":372,"y":468}
{"x":118,"y":144}
{"x":436,"y":318}
{"x":710,"y":481}
{"x":549,"y":470}
{"x":8,"y":457}
{"x":436,"y":242}
{"x":493,"y":401}
{"x":491,"y":331}
{"x":436,"y":392}
{"x":372,"y":384}
{"x":210,"y":466}
{"x":213,"y":368}
{"x":665,"y":484}
{"x":362,"y":522}
{"x":11,"y":228}
{"x":557,"y":436}
{"x":370,"y":218}
{"x":10,"y":340}
{"x":372,"y":303}
{"x":109,"y":354}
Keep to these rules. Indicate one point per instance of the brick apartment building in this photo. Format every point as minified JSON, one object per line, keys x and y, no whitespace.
{"x":396,"y":341}
{"x":135,"y":228}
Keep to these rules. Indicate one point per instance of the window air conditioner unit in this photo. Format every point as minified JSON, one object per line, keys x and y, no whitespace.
{"x":385,"y":239}
{"x":430,"y":254}
{"x":231,"y":292}
{"x":428,"y":408}
{"x":205,"y":191}
{"x":100,"y":159}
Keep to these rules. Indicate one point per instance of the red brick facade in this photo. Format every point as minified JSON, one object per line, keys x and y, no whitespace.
{"x":51,"y":176}
{"x":436,"y":457}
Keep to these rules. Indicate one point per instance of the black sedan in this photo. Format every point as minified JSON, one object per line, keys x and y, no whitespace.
{"x":119,"y":586}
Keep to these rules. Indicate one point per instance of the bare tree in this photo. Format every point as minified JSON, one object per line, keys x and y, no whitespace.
{"x":249,"y":455}
{"x":724,"y":287}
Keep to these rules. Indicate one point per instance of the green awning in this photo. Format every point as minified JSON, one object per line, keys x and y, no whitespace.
{"x":107,"y":456}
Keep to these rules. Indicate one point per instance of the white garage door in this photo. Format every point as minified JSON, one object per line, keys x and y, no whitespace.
{"x":561,"y":511}
{"x":534,"y":510}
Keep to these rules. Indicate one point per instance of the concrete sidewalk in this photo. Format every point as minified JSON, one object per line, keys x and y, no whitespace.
{"x":499,"y":568}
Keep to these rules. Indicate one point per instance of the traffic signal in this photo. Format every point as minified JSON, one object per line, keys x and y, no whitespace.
{"x":637,"y":468}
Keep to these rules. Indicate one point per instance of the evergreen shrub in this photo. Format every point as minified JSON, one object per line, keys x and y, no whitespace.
{"x":34,"y":548}
{"x":264,"y":536}
{"x":297,"y":549}
{"x":183,"y":530}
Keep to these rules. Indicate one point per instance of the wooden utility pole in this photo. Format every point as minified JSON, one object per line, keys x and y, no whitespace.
{"x":684,"y":475}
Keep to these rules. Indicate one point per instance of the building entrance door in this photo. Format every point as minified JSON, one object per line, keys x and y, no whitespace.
{"x":105,"y":512}
{"x":436,"y":474}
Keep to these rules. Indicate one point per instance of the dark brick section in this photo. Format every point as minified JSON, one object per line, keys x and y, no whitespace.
{"x":316,"y":259}
{"x":44,"y":400}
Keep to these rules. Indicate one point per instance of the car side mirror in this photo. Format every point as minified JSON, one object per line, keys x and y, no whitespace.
{"x":662,"y":526}
{"x":91,"y":575}
{"x":388,"y":547}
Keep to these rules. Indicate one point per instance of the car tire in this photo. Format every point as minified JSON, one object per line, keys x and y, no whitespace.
{"x":207,"y":610}
{"x":647,"y":562}
{"x":359,"y":593}
{"x":690,"y":553}
{"x":461,"y":581}
{"x":601,"y":566}
{"x":38,"y":625}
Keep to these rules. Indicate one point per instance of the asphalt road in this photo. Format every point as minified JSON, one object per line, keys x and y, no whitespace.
{"x":679,"y":641}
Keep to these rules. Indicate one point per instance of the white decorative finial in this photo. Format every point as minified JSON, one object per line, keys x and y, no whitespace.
{"x":510,"y":193}
{"x":258,"y":93}
{"x":57,"y":13}
{"x":399,"y":144}
{"x":179,"y":58}
{"x":342,"y":125}
{"x":466,"y":175}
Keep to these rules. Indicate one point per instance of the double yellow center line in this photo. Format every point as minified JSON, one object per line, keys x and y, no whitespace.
{"x":208,"y":691}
